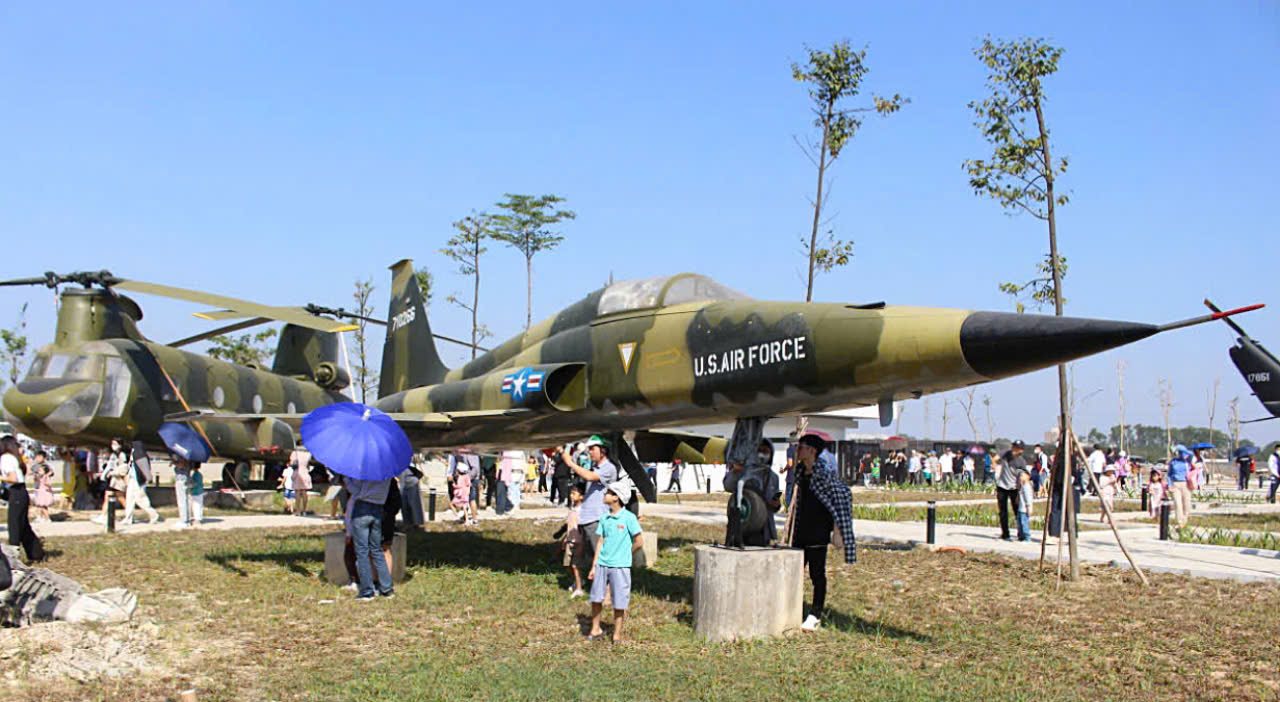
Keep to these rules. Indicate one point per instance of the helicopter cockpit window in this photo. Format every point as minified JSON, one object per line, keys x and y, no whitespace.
{"x":84,"y":368}
{"x":631,"y":295}
{"x":115,"y":391}
{"x":696,"y":288}
{"x":38,"y":366}
{"x":55,"y":365}
{"x":67,"y":366}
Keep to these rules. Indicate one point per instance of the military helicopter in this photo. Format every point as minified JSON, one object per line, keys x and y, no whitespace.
{"x":1258,"y":366}
{"x":641,"y":355}
{"x":101,"y":378}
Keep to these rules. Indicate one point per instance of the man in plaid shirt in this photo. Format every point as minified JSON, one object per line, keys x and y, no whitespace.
{"x":823,"y":504}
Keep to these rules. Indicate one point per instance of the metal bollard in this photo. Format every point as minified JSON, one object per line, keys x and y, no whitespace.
{"x":111,"y":514}
{"x":1145,"y":497}
{"x":931,"y":525}
{"x":708,"y":485}
{"x":1165,"y":506}
{"x":431,"y":506}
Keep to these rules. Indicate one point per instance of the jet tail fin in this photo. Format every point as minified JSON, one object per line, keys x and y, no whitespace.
{"x":409,"y":355}
{"x":1261,"y":371}
{"x":1260,"y":368}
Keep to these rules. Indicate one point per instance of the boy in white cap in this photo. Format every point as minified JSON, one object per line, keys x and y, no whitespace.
{"x":620,"y":535}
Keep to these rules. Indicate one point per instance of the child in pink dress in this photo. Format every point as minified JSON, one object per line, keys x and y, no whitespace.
{"x":461,"y":494}
{"x":1107,"y":492}
{"x":1155,"y":493}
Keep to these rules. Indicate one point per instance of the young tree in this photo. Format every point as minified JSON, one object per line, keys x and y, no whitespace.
{"x":426,"y":283}
{"x":967,"y":404}
{"x":834,"y":76}
{"x":1021,"y":174}
{"x":366,"y":378}
{"x":991,"y":426}
{"x":946,"y":406}
{"x":1120,"y":366}
{"x":1165,"y":389}
{"x":245,"y":349}
{"x":1233,"y":423}
{"x":1212,"y":396}
{"x":13,"y":345}
{"x":465,"y":248}
{"x":525,"y":225}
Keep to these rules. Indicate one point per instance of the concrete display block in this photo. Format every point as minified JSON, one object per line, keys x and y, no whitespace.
{"x":647,"y":556}
{"x":335,"y":571}
{"x":749,"y":593}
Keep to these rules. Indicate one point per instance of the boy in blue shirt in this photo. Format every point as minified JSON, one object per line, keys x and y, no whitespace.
{"x":620,"y":536}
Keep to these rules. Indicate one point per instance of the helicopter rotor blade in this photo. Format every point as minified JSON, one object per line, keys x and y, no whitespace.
{"x":238,"y":326}
{"x":290,"y":315}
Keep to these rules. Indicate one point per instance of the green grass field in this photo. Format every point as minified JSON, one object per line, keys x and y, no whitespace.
{"x":245,"y":616}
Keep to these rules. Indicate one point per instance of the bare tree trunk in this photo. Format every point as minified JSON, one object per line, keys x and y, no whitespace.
{"x":817,"y":204}
{"x":475,"y":301}
{"x":1057,"y":303}
{"x":946,"y":404}
{"x":528,"y":304}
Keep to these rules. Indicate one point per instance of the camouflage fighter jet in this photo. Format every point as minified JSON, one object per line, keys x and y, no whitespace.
{"x":101,"y":378}
{"x":683,"y":350}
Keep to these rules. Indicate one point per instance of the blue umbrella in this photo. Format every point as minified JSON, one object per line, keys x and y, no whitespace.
{"x":357,"y":441}
{"x":185,"y":442}
{"x":1202,"y":446}
{"x":1246,"y":451}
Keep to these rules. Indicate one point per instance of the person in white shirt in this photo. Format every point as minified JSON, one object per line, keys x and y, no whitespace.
{"x":1097,"y":463}
{"x":13,"y":476}
{"x":948,"y":465}
{"x":1273,"y":465}
{"x":967,"y":466}
{"x":286,"y":483}
{"x":913,"y":468}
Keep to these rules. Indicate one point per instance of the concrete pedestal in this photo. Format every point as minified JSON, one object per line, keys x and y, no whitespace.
{"x":647,"y":556}
{"x":335,"y":571}
{"x":752,"y":593}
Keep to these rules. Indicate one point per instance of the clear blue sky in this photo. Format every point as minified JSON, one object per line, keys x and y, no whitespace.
{"x":280,"y":150}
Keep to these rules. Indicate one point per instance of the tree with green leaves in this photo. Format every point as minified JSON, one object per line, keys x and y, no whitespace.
{"x":1021,"y":174}
{"x":366,"y":377}
{"x":253,"y":349}
{"x":14,"y":345}
{"x":465,"y":248}
{"x":426,"y":282}
{"x":525,"y":224}
{"x":834,"y":77}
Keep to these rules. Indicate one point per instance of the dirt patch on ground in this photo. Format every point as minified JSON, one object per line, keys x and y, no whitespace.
{"x":59,"y":651}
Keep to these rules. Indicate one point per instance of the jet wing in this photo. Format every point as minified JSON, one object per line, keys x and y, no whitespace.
{"x":407,"y":420}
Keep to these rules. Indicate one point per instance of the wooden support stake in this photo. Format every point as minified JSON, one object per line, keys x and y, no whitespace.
{"x":1107,"y":513}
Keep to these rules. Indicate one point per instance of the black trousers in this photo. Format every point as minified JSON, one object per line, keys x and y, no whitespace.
{"x":675,"y":482}
{"x":815,"y":558}
{"x":20,"y":531}
{"x":490,"y":489}
{"x":1008,"y":502}
{"x":1243,"y":482}
{"x":560,"y":490}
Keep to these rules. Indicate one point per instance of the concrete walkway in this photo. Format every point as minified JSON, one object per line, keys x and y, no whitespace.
{"x":1096,"y":546}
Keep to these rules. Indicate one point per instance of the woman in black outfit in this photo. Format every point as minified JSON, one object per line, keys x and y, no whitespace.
{"x":13,"y":473}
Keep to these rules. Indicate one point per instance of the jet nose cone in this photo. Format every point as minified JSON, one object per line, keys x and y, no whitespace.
{"x":1001,"y":344}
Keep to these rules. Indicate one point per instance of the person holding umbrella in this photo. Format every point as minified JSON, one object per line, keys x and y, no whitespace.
{"x":369,"y":448}
{"x":1245,"y":466}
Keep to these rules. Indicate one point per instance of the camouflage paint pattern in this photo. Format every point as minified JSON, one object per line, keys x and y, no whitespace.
{"x":683,"y":363}
{"x":101,"y":378}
